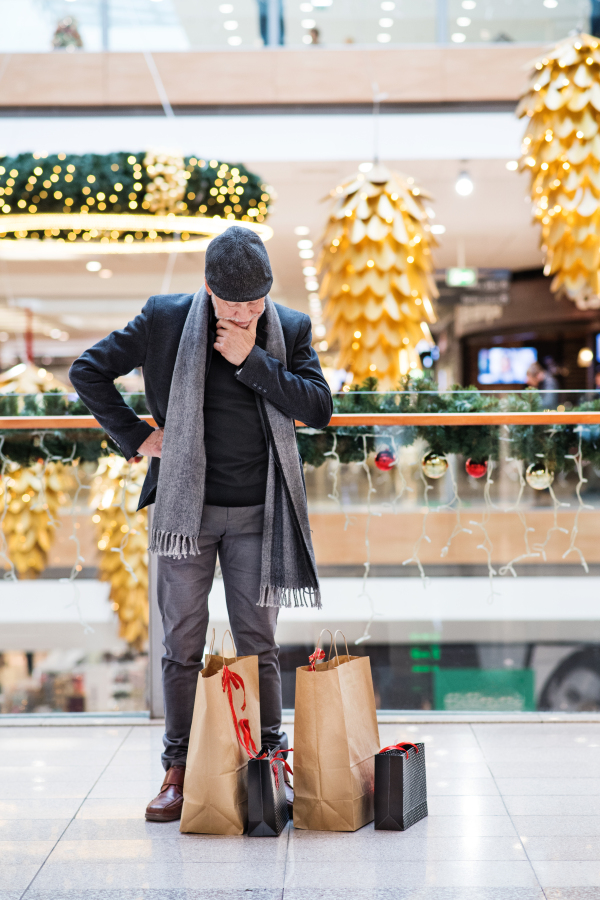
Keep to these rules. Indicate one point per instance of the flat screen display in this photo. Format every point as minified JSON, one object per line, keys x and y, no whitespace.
{"x":505,"y":365}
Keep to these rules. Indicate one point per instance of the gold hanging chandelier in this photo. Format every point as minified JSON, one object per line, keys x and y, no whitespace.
{"x":377,"y":280}
{"x":561,"y":149}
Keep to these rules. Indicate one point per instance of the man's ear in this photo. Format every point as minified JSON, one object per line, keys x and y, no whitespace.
{"x":207,"y":287}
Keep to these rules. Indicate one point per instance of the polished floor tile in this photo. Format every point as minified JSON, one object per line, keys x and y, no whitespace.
{"x":15,"y":853}
{"x":385,"y":845}
{"x":471,"y":787}
{"x":555,"y":826}
{"x":160,"y":849}
{"x":195,"y":893}
{"x":32,"y":829}
{"x":39,"y":808}
{"x":307,"y":874}
{"x":568,"y":874}
{"x":18,"y":876}
{"x":565,"y":787}
{"x":551,"y":806}
{"x":77,"y":875}
{"x":565,"y":847}
{"x":466,"y":806}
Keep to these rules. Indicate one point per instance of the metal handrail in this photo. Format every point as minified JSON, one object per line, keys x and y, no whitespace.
{"x":40,"y":423}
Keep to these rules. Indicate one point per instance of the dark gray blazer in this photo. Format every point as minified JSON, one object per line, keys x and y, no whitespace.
{"x":151,"y":341}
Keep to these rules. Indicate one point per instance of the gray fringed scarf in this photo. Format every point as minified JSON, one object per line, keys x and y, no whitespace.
{"x":288,"y":572}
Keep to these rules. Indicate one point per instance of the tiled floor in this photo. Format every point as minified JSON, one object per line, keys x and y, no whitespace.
{"x":514,"y":814}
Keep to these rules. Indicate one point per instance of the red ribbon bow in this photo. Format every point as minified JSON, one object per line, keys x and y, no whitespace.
{"x":403,"y":746}
{"x":277,"y":757}
{"x":228,"y":679}
{"x":315,"y":657}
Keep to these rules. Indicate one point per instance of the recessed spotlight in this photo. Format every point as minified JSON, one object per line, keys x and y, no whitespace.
{"x":384,"y":38}
{"x":309,"y":271}
{"x":105,"y":273}
{"x":386,"y":23}
{"x":307,"y":39}
{"x":55,"y":334}
{"x":388,"y":6}
{"x":468,"y":4}
{"x":301,"y":229}
{"x":235,"y":40}
{"x":458,"y":37}
{"x":438,"y":229}
{"x":550,"y":4}
{"x":306,"y":254}
{"x":306,"y":7}
{"x":93,"y":266}
{"x":225,"y":8}
{"x":63,"y":336}
{"x":320,"y":331}
{"x":463,"y":22}
{"x":308,"y":23}
{"x":512,"y":165}
{"x":230,"y":25}
{"x":464,"y":185}
{"x":311,"y":285}
{"x":365,"y":167}
{"x":304,"y":245}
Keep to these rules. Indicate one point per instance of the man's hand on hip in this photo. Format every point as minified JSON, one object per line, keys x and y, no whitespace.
{"x":235,"y":342}
{"x":152,"y":446}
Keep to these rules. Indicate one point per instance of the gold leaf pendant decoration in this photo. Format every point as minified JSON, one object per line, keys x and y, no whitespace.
{"x":376,"y":275}
{"x":115,"y":495}
{"x":561,"y":148}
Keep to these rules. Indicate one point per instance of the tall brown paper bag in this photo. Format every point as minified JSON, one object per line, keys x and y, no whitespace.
{"x":215,"y":790}
{"x":335,"y":742}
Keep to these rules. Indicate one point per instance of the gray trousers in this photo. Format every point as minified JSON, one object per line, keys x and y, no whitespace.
{"x":183,"y":589}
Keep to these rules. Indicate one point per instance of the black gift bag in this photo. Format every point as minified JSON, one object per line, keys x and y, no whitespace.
{"x":400,"y":787}
{"x":267,"y":803}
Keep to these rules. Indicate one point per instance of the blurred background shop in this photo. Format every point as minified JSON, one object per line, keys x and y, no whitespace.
{"x":390,"y":128}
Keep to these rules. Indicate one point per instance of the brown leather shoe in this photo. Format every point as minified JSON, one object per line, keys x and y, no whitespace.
{"x":166,"y":807}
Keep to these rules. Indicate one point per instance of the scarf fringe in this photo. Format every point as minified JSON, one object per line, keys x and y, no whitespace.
{"x":289,"y":597}
{"x":169,"y":543}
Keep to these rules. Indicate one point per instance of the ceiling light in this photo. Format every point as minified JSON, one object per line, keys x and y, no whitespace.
{"x":105,"y":273}
{"x":304,"y":245}
{"x":63,"y":336}
{"x":307,"y":39}
{"x":306,"y":7}
{"x":323,"y":345}
{"x":306,"y":254}
{"x":322,"y":2}
{"x":55,"y":334}
{"x":468,"y":4}
{"x":301,"y":229}
{"x":234,"y":40}
{"x":458,"y":38}
{"x":384,"y":38}
{"x":430,"y":212}
{"x":438,"y":229}
{"x":230,"y":25}
{"x":512,"y":165}
{"x":93,"y":266}
{"x":225,"y":8}
{"x":388,"y":6}
{"x":585,"y":357}
{"x":320,"y":331}
{"x":309,"y":271}
{"x":550,"y":4}
{"x":312,"y":285}
{"x":386,"y":23}
{"x":463,"y":22}
{"x":308,"y":23}
{"x":464,"y":185}
{"x":365,"y":167}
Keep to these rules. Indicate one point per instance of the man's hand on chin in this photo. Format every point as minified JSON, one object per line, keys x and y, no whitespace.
{"x":235,"y":342}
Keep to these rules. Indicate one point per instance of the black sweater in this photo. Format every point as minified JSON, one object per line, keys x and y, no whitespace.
{"x":236,"y":449}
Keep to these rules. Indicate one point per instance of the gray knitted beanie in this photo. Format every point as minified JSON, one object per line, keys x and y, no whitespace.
{"x":237,"y":266}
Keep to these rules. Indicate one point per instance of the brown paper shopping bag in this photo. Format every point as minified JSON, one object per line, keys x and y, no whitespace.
{"x":215,"y":790}
{"x":335,"y":742}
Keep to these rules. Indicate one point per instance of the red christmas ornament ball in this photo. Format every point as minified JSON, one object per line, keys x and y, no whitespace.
{"x":476,"y":469}
{"x":384,"y":460}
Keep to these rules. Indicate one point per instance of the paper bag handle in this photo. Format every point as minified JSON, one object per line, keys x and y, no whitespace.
{"x":212,"y":643}
{"x":339,"y":631}
{"x":228,"y":632}
{"x":319,"y":654}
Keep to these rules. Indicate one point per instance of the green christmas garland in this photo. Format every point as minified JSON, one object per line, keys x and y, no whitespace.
{"x":555,"y":445}
{"x":119,"y":183}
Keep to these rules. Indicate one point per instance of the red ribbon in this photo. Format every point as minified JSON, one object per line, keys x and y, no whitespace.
{"x":403,"y":746}
{"x":315,"y":657}
{"x":228,"y":679}
{"x":274,"y":759}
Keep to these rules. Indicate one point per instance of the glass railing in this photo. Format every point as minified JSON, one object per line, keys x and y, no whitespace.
{"x":462,"y":558}
{"x":178,"y":25}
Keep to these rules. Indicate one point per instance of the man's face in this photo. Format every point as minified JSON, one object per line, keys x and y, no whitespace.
{"x":240,"y":313}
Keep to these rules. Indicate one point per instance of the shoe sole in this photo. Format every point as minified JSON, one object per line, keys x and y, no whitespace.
{"x":151,"y":818}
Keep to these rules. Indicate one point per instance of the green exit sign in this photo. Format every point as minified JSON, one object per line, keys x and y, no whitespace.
{"x":461,"y":277}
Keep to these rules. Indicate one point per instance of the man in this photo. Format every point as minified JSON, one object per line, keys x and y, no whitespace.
{"x":226,"y":372}
{"x":538,"y":377}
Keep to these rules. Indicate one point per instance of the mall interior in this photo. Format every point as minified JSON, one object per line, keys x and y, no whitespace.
{"x":425,"y":177}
